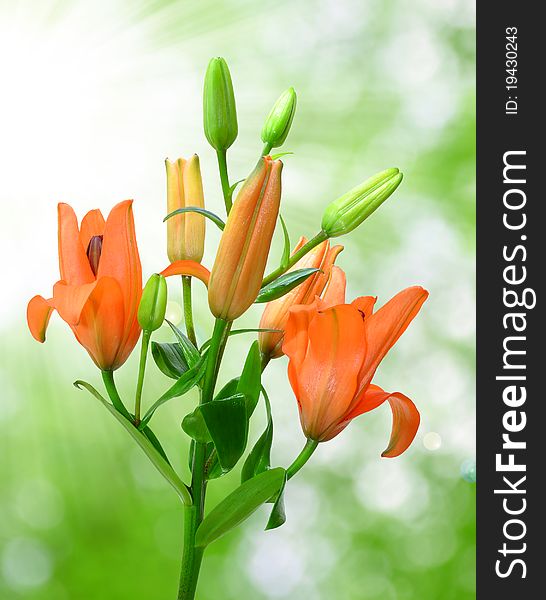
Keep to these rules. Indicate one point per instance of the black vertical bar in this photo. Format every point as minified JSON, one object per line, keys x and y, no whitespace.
{"x":511,"y":268}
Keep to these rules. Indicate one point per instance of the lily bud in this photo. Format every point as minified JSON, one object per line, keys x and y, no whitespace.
{"x":239,"y":267}
{"x":153,"y":304}
{"x":347,"y":212}
{"x":278,"y":123}
{"x":219,"y":114}
{"x":185,"y":232}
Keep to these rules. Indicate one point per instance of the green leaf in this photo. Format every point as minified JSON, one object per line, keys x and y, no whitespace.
{"x":278,"y":513}
{"x":156,"y":443}
{"x":250,"y":381}
{"x":202,"y":211}
{"x":194,"y":425}
{"x":239,"y":505}
{"x":259,"y":458}
{"x":286,"y":249}
{"x":145,"y":444}
{"x":190,"y":352}
{"x":280,"y":155}
{"x":227,"y":423}
{"x":233,"y":187}
{"x":188,"y":380}
{"x":284,"y":284}
{"x":170,"y":359}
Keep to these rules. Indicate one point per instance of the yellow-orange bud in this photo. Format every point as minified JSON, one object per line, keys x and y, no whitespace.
{"x":185,"y":232}
{"x":275,"y":315}
{"x":239,"y":267}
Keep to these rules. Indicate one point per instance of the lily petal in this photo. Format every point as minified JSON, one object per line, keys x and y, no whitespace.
{"x":38,"y":314}
{"x":103,"y":312}
{"x":327,"y":378}
{"x":119,"y":258}
{"x":92,"y":224}
{"x":73,"y":264}
{"x":405,"y":423}
{"x":187,"y":267}
{"x":69,"y":300}
{"x":384,"y":327}
{"x":334,"y":293}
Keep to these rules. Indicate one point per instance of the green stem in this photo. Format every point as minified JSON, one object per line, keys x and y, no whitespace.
{"x":224,"y":179}
{"x":141,"y":369}
{"x":303,"y":457}
{"x":315,"y":241}
{"x":188,"y":313}
{"x":267,"y":149}
{"x":110,"y":385}
{"x":192,"y":556}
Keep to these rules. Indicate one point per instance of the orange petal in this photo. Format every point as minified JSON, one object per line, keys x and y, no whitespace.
{"x":383,"y":328}
{"x":187,"y":267}
{"x":327,"y":378}
{"x":69,"y":300}
{"x":296,"y":336}
{"x":92,"y":224}
{"x":38,"y":314}
{"x":119,"y":258}
{"x":365,"y":305}
{"x":334,"y":293}
{"x":101,"y":326}
{"x":73,"y":264}
{"x":405,"y":423}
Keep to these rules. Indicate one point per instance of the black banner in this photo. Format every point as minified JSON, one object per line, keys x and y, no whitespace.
{"x":511,"y":268}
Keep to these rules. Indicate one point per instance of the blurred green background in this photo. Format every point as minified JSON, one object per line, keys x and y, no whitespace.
{"x":95,"y":96}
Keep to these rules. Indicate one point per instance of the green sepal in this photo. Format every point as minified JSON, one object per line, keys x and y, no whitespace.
{"x":202,"y":211}
{"x":169,"y":359}
{"x":278,"y":513}
{"x":145,"y":444}
{"x":239,"y":505}
{"x":284,"y":284}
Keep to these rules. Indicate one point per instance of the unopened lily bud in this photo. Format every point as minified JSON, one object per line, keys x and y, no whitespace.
{"x":153,"y":304}
{"x":219,"y":114}
{"x":347,"y":212}
{"x":278,"y":123}
{"x":239,"y":267}
{"x":185,"y":232}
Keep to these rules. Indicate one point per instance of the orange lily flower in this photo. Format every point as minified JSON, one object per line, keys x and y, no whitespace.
{"x":334,"y":353}
{"x":100,"y":286}
{"x":276,"y":312}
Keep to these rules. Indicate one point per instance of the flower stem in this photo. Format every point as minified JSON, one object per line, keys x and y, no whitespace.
{"x":303,"y":457}
{"x":315,"y":241}
{"x":188,"y":313}
{"x":192,"y":556}
{"x":141,"y":369}
{"x":266,"y":149}
{"x":224,"y":179}
{"x":110,"y":385}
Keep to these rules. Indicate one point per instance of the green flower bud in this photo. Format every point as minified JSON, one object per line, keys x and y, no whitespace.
{"x":153,"y":304}
{"x":347,"y":212}
{"x":278,"y":123}
{"x":219,"y":114}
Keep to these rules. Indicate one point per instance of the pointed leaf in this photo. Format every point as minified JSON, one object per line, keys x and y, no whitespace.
{"x":188,"y":380}
{"x":278,"y":514}
{"x":190,"y":352}
{"x":286,"y":248}
{"x":227,"y":423}
{"x":170,"y":359}
{"x":202,"y":211}
{"x":250,"y":381}
{"x":151,"y":452}
{"x":194,"y":425}
{"x":284,"y":284}
{"x":239,"y":505}
{"x":259,"y":458}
